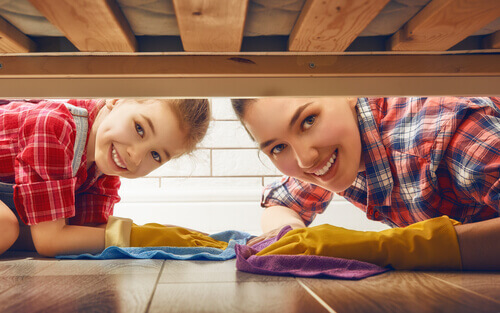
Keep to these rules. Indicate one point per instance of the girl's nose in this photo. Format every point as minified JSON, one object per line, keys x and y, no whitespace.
{"x":307,"y":156}
{"x":136,"y":153}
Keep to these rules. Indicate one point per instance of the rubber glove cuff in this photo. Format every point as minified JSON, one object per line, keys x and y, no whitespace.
{"x":118,"y":232}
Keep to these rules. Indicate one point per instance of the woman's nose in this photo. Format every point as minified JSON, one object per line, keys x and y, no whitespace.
{"x":306,"y":155}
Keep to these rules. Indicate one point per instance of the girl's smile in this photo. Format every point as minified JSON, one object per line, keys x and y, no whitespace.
{"x":115,"y":157}
{"x":131,"y":138}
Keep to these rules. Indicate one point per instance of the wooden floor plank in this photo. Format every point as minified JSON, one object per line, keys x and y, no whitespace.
{"x":209,"y":272}
{"x":34,"y":284}
{"x":103,"y":267}
{"x":22,"y":264}
{"x":486,"y":284}
{"x":78,"y":293}
{"x":269,"y":297}
{"x":398,"y":291}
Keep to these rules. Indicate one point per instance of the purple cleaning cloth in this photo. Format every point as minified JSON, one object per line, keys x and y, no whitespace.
{"x":300,"y":265}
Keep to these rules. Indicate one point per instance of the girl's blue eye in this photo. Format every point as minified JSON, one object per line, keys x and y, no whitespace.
{"x":277,"y":149}
{"x":156,"y":156}
{"x":308,"y":121}
{"x":139,"y":130}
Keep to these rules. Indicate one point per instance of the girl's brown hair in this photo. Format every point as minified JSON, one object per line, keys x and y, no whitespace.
{"x":194,"y":118}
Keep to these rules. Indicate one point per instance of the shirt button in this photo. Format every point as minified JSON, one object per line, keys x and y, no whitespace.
{"x":376,"y":214}
{"x":370,"y":211}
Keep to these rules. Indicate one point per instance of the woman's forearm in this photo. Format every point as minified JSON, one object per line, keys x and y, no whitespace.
{"x":275,"y":217}
{"x":480,"y":245}
{"x":55,"y":238}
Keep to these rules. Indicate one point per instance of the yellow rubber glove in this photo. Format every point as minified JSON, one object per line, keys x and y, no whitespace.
{"x":431,"y":244}
{"x":155,"y":235}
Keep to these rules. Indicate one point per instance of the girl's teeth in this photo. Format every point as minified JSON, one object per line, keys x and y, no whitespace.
{"x":327,"y":166}
{"x":116,"y":159}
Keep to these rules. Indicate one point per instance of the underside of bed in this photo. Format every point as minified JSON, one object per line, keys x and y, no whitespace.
{"x":248,"y":48}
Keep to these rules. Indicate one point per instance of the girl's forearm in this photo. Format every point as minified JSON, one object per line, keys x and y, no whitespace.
{"x":55,"y":238}
{"x":480,"y":245}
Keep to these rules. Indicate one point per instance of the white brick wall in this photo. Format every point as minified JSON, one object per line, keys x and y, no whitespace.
{"x":218,"y":187}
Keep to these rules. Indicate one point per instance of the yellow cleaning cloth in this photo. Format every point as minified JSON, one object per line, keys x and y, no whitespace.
{"x":430,"y":244}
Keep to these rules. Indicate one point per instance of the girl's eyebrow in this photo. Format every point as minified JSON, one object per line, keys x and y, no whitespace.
{"x":148,"y":120}
{"x":151,"y":125}
{"x":296,"y":115}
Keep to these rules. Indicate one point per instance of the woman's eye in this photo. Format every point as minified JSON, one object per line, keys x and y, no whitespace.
{"x":308,"y":121}
{"x":277,"y":149}
{"x":156,"y":156}
{"x":139,"y":130}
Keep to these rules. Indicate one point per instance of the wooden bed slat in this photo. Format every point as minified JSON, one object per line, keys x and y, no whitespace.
{"x":211,"y":26}
{"x":91,"y":25}
{"x":331,"y":26}
{"x":443,"y":23}
{"x":248,"y":65}
{"x":493,"y":41}
{"x":12,"y":40}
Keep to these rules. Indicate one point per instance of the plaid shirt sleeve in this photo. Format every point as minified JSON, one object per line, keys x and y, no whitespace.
{"x":474,"y":157}
{"x":98,"y":201}
{"x":304,"y":198}
{"x":45,"y":188}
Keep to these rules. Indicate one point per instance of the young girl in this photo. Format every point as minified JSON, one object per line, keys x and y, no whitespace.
{"x":60,"y":162}
{"x":401,"y":160}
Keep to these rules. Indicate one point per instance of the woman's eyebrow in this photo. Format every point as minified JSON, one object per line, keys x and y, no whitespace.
{"x":297,"y":113}
{"x":266,"y":143}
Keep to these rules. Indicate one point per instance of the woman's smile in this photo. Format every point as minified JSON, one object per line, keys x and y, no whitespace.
{"x":327,"y":166}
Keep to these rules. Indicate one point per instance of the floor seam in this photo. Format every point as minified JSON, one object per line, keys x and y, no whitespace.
{"x":316,"y":297}
{"x":148,"y":306}
{"x":460,"y":287}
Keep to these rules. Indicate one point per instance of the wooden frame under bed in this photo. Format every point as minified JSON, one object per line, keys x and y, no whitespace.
{"x":427,"y":56}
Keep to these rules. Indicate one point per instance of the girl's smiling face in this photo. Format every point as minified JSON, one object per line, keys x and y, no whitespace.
{"x":131,"y":138}
{"x":316,"y":140}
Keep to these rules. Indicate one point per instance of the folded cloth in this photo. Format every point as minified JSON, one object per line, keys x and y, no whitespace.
{"x":300,"y":265}
{"x":232,"y":237}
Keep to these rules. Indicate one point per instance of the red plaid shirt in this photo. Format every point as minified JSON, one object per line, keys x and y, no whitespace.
{"x":36,"y":152}
{"x":424,"y":157}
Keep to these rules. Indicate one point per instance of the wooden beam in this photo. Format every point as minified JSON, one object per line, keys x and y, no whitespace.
{"x":328,"y":26}
{"x":239,"y":87}
{"x":492,"y":41}
{"x":249,"y":65}
{"x":91,"y":25}
{"x":12,"y":40}
{"x":211,"y":26}
{"x":443,"y":23}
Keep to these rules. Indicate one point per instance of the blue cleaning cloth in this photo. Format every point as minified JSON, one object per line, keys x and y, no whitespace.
{"x":232,"y":237}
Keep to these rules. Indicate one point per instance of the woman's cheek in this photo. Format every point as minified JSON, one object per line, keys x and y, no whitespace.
{"x":286,"y":167}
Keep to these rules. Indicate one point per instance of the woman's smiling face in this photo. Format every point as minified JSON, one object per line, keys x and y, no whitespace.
{"x":316,"y":140}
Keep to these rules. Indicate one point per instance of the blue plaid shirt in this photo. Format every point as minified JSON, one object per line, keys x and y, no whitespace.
{"x":424,"y":158}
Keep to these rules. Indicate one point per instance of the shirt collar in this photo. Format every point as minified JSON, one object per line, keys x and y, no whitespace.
{"x":379,"y":181}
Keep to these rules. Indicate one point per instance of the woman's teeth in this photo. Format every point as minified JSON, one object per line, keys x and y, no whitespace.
{"x":327,"y":166}
{"x":117,"y":160}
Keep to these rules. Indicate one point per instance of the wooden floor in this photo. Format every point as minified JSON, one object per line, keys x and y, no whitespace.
{"x":32,"y":284}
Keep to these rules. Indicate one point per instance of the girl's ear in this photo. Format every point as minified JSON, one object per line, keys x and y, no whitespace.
{"x":110,"y":103}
